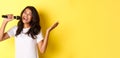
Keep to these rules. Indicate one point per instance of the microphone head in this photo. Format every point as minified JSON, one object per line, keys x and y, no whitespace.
{"x":17,"y":17}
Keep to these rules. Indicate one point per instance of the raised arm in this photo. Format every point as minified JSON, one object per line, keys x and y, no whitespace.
{"x":43,"y":44}
{"x":4,"y":35}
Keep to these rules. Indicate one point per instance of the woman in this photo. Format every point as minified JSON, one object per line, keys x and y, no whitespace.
{"x":27,"y":33}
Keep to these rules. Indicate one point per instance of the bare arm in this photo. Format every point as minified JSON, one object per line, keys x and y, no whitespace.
{"x":4,"y":35}
{"x":43,"y":44}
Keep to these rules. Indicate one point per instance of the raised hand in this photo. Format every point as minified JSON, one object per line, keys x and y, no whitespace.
{"x":53,"y":26}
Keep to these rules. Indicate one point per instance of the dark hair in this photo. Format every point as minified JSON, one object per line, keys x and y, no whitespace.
{"x":34,"y":23}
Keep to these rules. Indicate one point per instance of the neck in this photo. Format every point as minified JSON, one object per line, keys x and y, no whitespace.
{"x":26,"y":25}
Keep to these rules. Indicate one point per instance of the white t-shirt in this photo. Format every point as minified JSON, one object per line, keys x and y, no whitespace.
{"x":25,"y":46}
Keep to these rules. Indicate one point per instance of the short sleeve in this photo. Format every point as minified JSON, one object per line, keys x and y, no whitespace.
{"x":11,"y":32}
{"x":39,"y":37}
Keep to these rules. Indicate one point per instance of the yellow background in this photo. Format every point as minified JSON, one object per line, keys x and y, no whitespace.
{"x":87,"y":29}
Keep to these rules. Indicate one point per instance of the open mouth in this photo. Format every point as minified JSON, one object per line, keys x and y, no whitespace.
{"x":24,"y":18}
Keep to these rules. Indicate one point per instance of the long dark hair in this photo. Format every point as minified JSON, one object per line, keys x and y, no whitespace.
{"x":34,"y":23}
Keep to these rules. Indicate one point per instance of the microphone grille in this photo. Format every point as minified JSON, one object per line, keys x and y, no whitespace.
{"x":17,"y":17}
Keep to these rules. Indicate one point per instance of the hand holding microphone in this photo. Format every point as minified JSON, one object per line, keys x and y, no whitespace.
{"x":8,"y":16}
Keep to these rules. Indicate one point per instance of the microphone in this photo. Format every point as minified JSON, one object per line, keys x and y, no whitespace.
{"x":15,"y":17}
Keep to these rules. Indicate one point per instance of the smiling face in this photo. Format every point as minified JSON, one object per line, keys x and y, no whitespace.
{"x":27,"y":16}
{"x":29,"y":19}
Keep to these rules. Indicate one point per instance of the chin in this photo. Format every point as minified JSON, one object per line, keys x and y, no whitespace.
{"x":26,"y":22}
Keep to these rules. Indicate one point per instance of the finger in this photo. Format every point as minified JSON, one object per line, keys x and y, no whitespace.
{"x":10,"y":16}
{"x":56,"y":24}
{"x":53,"y":26}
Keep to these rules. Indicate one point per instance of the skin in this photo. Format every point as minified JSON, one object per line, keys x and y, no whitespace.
{"x":26,"y":18}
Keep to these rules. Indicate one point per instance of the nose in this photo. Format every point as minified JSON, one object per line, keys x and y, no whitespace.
{"x":26,"y":15}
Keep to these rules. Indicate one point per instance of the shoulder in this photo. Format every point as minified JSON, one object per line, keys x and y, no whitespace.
{"x":40,"y":34}
{"x":14,"y":28}
{"x":39,"y":37}
{"x":11,"y":32}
